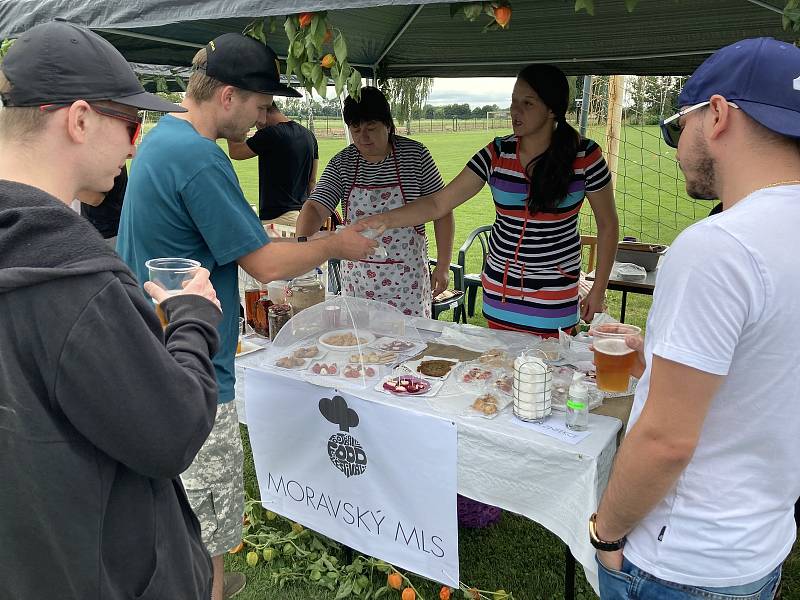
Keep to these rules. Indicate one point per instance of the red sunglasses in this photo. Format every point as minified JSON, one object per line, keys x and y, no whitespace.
{"x":134,"y":123}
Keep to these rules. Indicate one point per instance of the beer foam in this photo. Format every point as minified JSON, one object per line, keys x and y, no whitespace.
{"x":612,"y":346}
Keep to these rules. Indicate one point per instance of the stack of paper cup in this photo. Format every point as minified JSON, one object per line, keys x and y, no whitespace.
{"x":532,"y":388}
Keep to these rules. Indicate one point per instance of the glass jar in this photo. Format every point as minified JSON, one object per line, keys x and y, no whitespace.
{"x":278,"y":315}
{"x":253,"y":292}
{"x":305,"y":291}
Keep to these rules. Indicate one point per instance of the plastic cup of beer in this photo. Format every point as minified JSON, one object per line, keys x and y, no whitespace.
{"x":613,"y":358}
{"x":171,"y":275}
{"x":241,"y":332}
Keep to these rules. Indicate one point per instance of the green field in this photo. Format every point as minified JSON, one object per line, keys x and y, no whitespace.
{"x":518,"y":555}
{"x":650,"y":198}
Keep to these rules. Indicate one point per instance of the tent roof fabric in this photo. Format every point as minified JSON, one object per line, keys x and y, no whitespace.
{"x":657,"y":38}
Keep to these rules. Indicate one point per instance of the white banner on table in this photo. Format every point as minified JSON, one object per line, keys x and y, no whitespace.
{"x":380,"y":479}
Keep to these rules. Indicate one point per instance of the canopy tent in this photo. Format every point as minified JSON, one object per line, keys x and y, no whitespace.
{"x":404,"y":38}
{"x":162,"y":78}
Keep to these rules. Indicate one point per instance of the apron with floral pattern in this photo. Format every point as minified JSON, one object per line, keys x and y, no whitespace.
{"x":402,"y":278}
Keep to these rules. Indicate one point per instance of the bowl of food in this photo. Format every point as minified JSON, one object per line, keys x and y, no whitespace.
{"x":345,"y":339}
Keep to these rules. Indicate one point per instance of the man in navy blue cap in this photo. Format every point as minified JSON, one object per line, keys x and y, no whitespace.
{"x":183,"y":199}
{"x":700,"y":501}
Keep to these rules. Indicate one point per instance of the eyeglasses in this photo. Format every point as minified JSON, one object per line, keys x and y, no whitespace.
{"x":134,"y":124}
{"x":671,"y":126}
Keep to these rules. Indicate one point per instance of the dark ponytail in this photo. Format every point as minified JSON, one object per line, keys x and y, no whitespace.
{"x":551,"y":172}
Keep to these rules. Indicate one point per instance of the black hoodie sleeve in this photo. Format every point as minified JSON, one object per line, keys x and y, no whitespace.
{"x":148,"y":406}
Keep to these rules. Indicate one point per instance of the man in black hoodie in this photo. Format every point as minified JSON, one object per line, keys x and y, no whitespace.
{"x":100,"y":409}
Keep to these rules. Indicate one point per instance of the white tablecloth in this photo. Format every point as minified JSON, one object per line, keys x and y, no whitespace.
{"x":504,"y":463}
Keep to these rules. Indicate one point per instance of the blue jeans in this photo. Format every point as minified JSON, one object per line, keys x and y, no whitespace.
{"x":632,"y":583}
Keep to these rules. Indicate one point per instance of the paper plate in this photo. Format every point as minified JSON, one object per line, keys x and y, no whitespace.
{"x":248,"y":347}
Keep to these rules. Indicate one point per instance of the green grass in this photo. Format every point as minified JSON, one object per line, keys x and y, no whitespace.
{"x":518,"y":555}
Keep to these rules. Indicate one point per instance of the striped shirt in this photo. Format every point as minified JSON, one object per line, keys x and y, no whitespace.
{"x":418,"y":173}
{"x":530,"y":280}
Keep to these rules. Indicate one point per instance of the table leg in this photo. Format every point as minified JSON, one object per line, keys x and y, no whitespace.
{"x":622,"y":309}
{"x":569,"y":574}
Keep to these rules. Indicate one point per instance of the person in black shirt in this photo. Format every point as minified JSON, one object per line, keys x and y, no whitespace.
{"x":103,"y":211}
{"x":287,"y":166}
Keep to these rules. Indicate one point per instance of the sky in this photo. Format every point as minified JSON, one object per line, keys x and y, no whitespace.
{"x":475,"y":91}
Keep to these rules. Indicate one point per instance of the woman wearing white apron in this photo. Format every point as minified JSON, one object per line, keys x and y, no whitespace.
{"x":381,"y":171}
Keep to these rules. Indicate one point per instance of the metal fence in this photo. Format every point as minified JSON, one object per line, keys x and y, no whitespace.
{"x":334,"y":127}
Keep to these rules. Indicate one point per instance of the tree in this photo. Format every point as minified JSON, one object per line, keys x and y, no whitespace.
{"x":407,"y":96}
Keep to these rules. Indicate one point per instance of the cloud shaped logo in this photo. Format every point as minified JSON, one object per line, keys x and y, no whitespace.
{"x":344,"y":451}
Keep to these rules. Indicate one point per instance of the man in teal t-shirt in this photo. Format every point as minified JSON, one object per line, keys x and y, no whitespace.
{"x":184,"y":200}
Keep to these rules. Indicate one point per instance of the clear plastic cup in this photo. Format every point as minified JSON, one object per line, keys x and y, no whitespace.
{"x":613,"y":358}
{"x":171,"y":275}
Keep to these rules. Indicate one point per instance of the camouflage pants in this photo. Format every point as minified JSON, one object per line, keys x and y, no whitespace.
{"x":214,"y":485}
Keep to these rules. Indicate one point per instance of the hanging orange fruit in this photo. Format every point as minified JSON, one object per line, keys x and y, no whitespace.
{"x":327,"y":61}
{"x":502,"y":14}
{"x":444,"y":593}
{"x":328,"y":36}
{"x":305,"y":19}
{"x":394,"y":580}
{"x":408,"y":594}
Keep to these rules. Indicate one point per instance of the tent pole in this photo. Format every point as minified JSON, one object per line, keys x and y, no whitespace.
{"x":586,"y":98}
{"x":551,"y":61}
{"x":153,"y":38}
{"x":398,"y":34}
{"x":348,"y":139}
{"x":774,"y":9}
{"x":616,"y":90}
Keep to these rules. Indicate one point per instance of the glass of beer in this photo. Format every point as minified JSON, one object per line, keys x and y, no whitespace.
{"x":613,"y":358}
{"x":171,"y":275}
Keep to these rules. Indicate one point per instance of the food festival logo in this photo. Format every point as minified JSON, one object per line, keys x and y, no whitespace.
{"x":344,"y":451}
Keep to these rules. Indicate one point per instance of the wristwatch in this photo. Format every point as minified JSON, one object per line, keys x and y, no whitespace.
{"x":603,"y":544}
{"x":302,"y":238}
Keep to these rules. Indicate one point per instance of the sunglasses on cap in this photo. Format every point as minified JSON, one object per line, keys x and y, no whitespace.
{"x":134,"y":123}
{"x":671,"y":126}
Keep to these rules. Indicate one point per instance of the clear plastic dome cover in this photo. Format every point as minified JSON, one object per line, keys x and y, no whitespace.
{"x":345,"y":342}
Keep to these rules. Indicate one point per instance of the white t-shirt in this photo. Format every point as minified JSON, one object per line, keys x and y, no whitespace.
{"x":727,"y":302}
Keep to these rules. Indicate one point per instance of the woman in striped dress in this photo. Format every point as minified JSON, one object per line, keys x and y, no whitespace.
{"x":539,"y":177}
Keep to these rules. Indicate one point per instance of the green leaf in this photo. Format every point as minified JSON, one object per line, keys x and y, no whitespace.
{"x":587,"y":5}
{"x":273,"y":24}
{"x":631,"y":5}
{"x":260,"y":33}
{"x":298,"y":50}
{"x":354,"y":84}
{"x":381,"y":591}
{"x":356,"y":589}
{"x":307,"y":69}
{"x":319,"y":81}
{"x":290,"y":27}
{"x":344,"y":590}
{"x":473,"y":10}
{"x":317,"y":31}
{"x":340,"y":48}
{"x":291,"y":63}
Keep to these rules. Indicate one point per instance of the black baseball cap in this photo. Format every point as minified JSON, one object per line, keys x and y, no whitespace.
{"x":59,"y":63}
{"x":246,"y":63}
